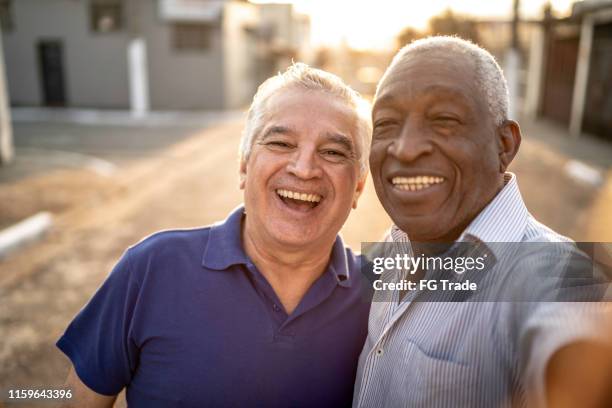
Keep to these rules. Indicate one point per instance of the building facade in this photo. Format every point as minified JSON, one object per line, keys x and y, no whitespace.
{"x":570,"y":72}
{"x":138,"y":54}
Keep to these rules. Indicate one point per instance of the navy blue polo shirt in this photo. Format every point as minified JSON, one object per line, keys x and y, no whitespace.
{"x":186,"y":319}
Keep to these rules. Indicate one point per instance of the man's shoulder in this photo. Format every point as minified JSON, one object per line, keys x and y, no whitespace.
{"x":165,"y":258}
{"x":546,"y":244}
{"x":169,"y":242}
{"x":548,"y":266}
{"x":541,"y":245}
{"x":535,"y":231}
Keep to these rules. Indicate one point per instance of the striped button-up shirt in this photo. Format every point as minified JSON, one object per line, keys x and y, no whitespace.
{"x":468,"y":354}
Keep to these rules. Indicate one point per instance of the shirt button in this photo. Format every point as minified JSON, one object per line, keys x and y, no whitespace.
{"x":276,"y":308}
{"x":380,"y":352}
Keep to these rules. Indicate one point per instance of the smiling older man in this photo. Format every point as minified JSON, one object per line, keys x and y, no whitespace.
{"x":262,"y":309}
{"x":441,"y":147}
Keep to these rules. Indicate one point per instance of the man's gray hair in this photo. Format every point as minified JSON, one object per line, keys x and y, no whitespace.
{"x":488,"y":75}
{"x":301,"y":76}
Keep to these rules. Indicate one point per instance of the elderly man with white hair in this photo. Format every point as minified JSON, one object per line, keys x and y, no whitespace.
{"x":263,"y":309}
{"x":441,"y":146}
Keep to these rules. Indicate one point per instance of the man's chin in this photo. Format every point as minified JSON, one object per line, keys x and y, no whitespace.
{"x":294,"y":233}
{"x":296,"y":241}
{"x":422,"y":228}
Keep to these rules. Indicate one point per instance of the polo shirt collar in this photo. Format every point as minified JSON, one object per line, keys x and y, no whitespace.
{"x":224,"y":249}
{"x":338,"y":264}
{"x":224,"y":246}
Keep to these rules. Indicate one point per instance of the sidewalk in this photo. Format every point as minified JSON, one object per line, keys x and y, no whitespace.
{"x":594,"y":151}
{"x":121,"y":117}
{"x":551,"y":143}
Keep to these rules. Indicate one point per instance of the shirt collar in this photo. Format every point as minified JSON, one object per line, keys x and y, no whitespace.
{"x":338,"y":264}
{"x":224,"y":246}
{"x":504,"y":219}
{"x":224,"y":249}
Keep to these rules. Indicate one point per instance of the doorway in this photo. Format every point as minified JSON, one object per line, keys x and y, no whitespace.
{"x":51,"y":61}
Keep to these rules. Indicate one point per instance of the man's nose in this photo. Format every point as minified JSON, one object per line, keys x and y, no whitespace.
{"x":412,"y":142}
{"x":304,"y":164}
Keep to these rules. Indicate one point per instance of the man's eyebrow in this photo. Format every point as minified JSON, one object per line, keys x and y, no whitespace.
{"x":276,"y":129}
{"x":341,"y":139}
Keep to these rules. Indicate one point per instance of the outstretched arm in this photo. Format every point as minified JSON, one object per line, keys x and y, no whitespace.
{"x":580,"y":375}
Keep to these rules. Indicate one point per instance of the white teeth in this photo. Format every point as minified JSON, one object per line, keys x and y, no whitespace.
{"x":416,"y":183}
{"x":313,"y":198}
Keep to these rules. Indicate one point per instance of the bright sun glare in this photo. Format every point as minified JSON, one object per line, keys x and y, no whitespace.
{"x":366,"y":24}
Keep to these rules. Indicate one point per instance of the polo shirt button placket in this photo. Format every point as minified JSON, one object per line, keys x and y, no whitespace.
{"x":380,"y":352}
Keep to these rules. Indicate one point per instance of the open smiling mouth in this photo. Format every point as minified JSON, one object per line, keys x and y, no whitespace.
{"x":299,"y":201}
{"x":416,"y":183}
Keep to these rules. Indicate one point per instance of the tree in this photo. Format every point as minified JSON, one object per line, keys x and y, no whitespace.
{"x":449,"y":23}
{"x":407,"y":35}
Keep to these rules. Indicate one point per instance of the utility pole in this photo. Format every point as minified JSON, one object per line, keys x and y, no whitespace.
{"x":6,"y":130}
{"x":515,"y":21}
{"x":137,"y":62}
{"x":513,"y":63}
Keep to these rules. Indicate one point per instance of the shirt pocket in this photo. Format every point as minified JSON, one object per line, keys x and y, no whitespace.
{"x":429,"y":381}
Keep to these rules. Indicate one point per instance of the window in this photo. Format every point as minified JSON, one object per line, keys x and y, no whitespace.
{"x":191,"y":36}
{"x":106,"y":15}
{"x":6,"y":15}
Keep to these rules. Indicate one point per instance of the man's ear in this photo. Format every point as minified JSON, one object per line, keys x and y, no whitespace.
{"x":242,"y":173}
{"x":359,"y":189}
{"x":509,"y":139}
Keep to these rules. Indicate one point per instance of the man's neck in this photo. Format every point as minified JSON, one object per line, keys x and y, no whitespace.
{"x":290,"y":271}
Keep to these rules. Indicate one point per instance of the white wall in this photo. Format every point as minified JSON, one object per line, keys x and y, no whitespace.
{"x":95,"y":67}
{"x":181,"y":79}
{"x":240,"y":55}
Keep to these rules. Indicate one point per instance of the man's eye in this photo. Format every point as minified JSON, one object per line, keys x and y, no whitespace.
{"x":384,"y":123}
{"x":384,"y":128}
{"x":278,"y":144}
{"x":446,"y":120}
{"x":333,"y":155}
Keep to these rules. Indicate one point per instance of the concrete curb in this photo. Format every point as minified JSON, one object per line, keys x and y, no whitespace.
{"x":102,"y":117}
{"x":24,"y":231}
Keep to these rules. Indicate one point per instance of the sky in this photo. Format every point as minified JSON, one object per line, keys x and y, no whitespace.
{"x":367,"y":24}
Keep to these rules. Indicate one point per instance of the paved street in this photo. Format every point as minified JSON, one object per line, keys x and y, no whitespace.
{"x":183,"y":177}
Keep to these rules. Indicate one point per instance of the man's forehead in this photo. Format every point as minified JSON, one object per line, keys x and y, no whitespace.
{"x":441,"y":91}
{"x":429,"y":74}
{"x":437,"y":57}
{"x":287,"y":111}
